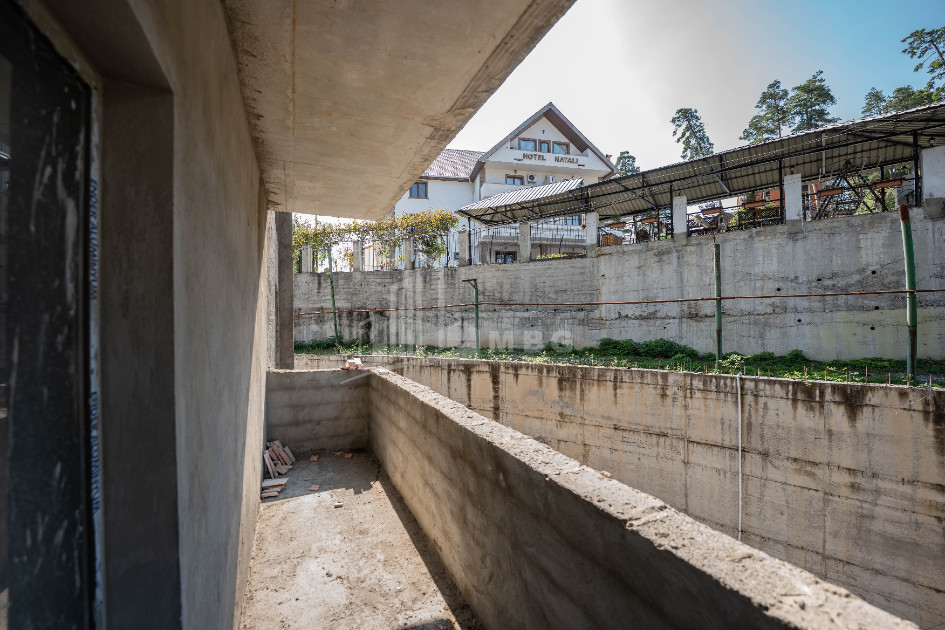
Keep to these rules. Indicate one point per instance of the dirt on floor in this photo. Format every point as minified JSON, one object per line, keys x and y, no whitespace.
{"x":365,"y":564}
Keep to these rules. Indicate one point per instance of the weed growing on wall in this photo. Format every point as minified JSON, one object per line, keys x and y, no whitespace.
{"x":663,"y":354}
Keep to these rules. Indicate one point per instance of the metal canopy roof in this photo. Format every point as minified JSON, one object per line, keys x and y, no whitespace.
{"x":819,"y":154}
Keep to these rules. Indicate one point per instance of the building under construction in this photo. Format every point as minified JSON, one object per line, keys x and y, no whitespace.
{"x":152,"y":153}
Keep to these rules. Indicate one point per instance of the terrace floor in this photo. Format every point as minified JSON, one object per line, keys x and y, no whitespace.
{"x":366,"y":564}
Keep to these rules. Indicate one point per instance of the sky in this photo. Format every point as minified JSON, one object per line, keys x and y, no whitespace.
{"x":619,"y":69}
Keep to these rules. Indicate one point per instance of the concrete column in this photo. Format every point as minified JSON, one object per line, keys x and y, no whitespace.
{"x":357,"y":256}
{"x":680,"y":217}
{"x":408,"y":253}
{"x":285,"y":333}
{"x":793,"y":204}
{"x":932,"y":168}
{"x":524,"y":242}
{"x":591,"y":225}
{"x":462,"y":238}
{"x":306,"y":259}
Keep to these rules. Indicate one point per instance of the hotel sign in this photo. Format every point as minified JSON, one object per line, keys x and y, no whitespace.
{"x":543,"y":157}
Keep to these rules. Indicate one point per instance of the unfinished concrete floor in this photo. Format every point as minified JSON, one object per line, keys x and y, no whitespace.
{"x":366,"y":564}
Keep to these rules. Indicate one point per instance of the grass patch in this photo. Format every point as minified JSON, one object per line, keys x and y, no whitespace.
{"x":665,"y":355}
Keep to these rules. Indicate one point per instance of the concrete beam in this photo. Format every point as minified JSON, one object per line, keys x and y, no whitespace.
{"x":591,"y":226}
{"x":316,"y":74}
{"x":463,"y":238}
{"x":932,"y":168}
{"x":357,"y":256}
{"x":524,"y":242}
{"x":409,"y":254}
{"x":285,"y":322}
{"x":307,"y":259}
{"x":680,"y":217}
{"x":793,"y":202}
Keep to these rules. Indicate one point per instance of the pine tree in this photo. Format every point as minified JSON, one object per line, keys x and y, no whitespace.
{"x":901,"y":99}
{"x":809,"y":104}
{"x":927,"y":46}
{"x":905,"y":97}
{"x":875,"y":103}
{"x":772,"y":118}
{"x":689,"y":128}
{"x":626,"y":164}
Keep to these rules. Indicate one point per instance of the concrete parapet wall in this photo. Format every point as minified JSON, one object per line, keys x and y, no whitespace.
{"x":325,"y":409}
{"x":844,"y":480}
{"x":860,"y":253}
{"x":534,"y":540}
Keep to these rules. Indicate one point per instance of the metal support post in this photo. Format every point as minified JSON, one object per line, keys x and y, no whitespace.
{"x":475,"y":286}
{"x":718,"y":305}
{"x":331,"y":283}
{"x":915,"y":170}
{"x":911,"y":308}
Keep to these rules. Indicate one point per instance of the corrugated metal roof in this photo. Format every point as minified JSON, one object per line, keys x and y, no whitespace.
{"x":453,"y":164}
{"x":513,"y":198}
{"x":818,"y":154}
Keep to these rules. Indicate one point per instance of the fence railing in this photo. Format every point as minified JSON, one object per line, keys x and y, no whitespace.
{"x":849,"y":193}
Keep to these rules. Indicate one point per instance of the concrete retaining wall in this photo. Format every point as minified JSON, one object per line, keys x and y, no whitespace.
{"x":843,"y":480}
{"x":860,"y":253}
{"x":535,"y":540}
{"x":317,"y":410}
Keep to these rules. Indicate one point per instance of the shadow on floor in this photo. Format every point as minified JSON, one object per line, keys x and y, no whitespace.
{"x":330,"y":472}
{"x":465,"y":617}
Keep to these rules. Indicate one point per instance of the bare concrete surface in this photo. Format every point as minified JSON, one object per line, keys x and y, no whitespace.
{"x":366,"y":564}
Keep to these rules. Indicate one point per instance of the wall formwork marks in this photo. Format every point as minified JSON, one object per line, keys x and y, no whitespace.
{"x":860,"y":253}
{"x":844,"y":480}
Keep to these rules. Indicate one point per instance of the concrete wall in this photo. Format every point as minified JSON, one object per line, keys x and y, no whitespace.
{"x":185,"y":338}
{"x":535,"y":540}
{"x":310,"y":411}
{"x":859,"y":253}
{"x":843,"y":480}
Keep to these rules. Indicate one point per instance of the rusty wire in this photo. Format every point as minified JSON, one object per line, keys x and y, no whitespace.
{"x":625,"y":303}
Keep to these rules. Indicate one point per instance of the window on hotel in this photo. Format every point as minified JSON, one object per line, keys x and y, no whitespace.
{"x":574,"y":219}
{"x":562,"y":147}
{"x":525,"y":144}
{"x":504,"y":258}
{"x":515,"y":180}
{"x":544,"y":146}
{"x":418,"y":191}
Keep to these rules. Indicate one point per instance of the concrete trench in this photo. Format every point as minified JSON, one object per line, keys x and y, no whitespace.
{"x":510,"y":519}
{"x":843,"y":480}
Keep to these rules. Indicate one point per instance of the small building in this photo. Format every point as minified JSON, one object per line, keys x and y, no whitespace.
{"x":543,"y":150}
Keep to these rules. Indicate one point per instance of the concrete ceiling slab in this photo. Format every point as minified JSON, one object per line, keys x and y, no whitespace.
{"x":351,"y":100}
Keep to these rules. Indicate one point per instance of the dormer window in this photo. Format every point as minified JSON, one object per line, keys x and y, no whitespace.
{"x":544,"y":146}
{"x":562,"y":148}
{"x":525,"y":144}
{"x":418,"y":191}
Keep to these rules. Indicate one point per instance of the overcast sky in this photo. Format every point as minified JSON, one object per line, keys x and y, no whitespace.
{"x":618,"y":69}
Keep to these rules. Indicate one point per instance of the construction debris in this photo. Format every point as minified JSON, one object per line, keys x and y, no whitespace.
{"x":352,"y":364}
{"x":278,"y":460}
{"x":313,"y":458}
{"x":339,"y":504}
{"x":313,"y":488}
{"x":349,"y":455}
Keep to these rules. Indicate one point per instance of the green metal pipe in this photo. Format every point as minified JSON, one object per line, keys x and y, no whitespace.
{"x":911,"y":307}
{"x":331,"y":283}
{"x":476,"y":299}
{"x":718,"y":305}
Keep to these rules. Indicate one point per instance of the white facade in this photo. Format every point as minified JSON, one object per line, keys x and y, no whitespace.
{"x":543,"y":149}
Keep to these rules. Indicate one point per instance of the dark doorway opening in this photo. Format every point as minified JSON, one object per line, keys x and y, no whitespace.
{"x":45,"y":558}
